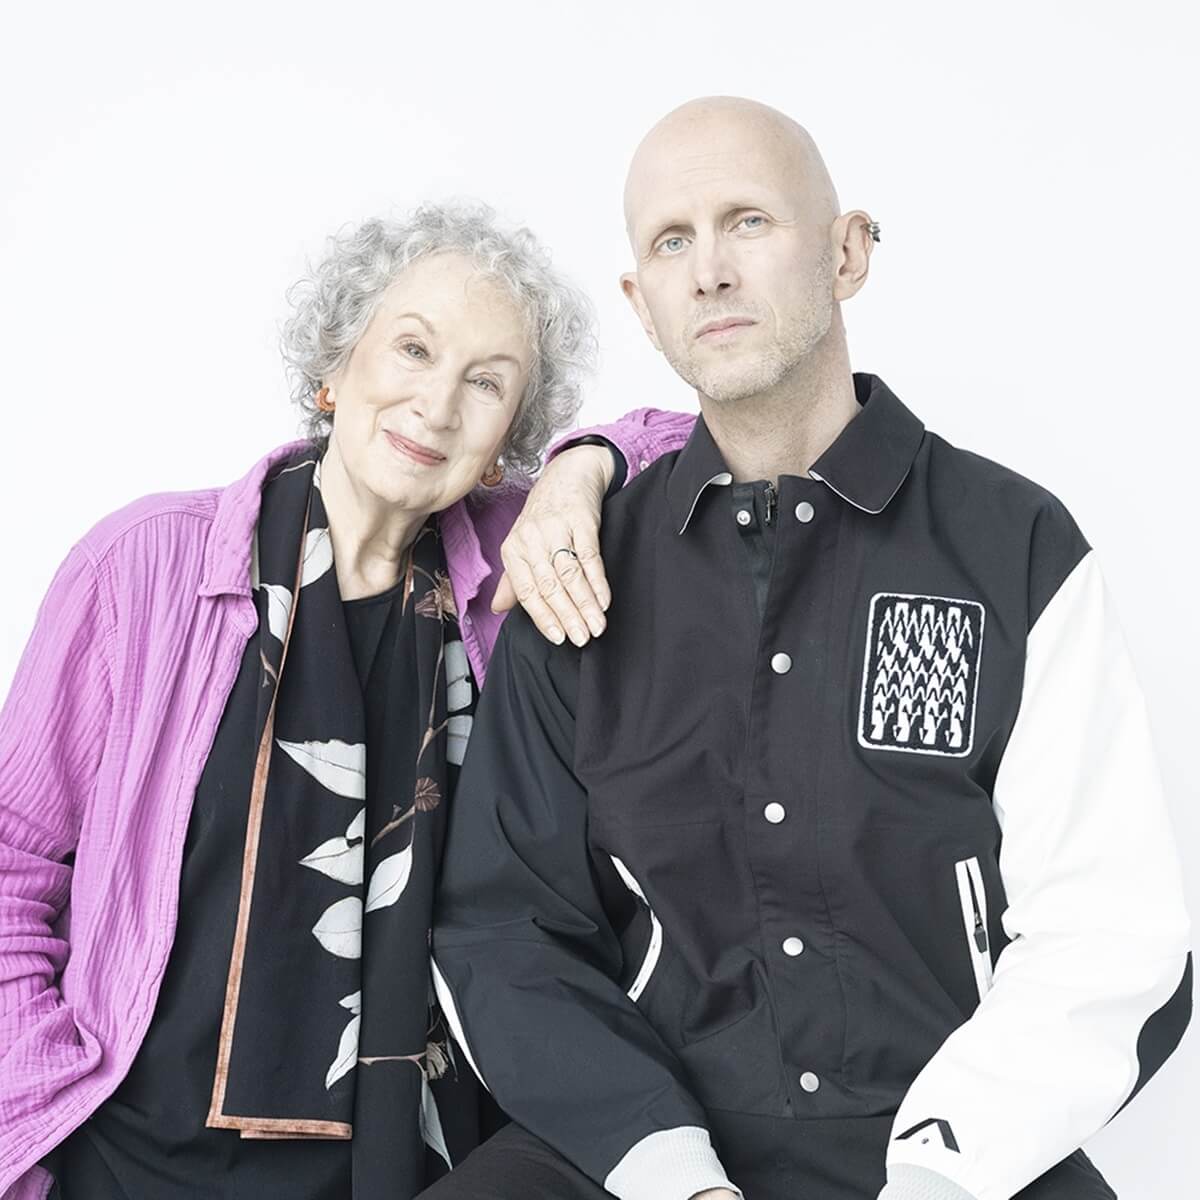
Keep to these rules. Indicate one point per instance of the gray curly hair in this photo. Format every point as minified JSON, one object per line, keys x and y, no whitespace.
{"x":333,"y":304}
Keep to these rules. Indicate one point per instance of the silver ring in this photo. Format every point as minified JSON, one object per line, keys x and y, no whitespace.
{"x":563,"y":550}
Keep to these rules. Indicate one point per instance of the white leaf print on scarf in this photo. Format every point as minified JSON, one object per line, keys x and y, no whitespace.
{"x":317,"y":474}
{"x":353,"y":1002}
{"x":337,"y":858}
{"x":458,"y":681}
{"x":339,"y":928}
{"x":279,"y":607}
{"x":431,"y":1123}
{"x":339,"y":766}
{"x":347,"y":1053}
{"x":318,"y":556}
{"x":458,"y":730}
{"x":389,"y":879}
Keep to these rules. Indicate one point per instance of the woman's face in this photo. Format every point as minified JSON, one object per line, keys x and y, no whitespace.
{"x":423,"y":404}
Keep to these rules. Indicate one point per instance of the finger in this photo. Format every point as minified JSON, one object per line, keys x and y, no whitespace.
{"x":587,"y":546}
{"x":554,"y":592}
{"x":506,"y":595}
{"x":544,"y":617}
{"x":525,"y":588}
{"x":529,"y":549}
{"x":579,"y":588}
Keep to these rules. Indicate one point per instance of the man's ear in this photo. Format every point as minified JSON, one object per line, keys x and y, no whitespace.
{"x":633,"y":293}
{"x":852,"y":244}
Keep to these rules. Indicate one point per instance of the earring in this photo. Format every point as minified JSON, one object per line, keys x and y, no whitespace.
{"x":493,"y":475}
{"x":323,"y":402}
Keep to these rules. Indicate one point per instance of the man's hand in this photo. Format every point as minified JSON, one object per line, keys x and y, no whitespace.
{"x":562,"y":510}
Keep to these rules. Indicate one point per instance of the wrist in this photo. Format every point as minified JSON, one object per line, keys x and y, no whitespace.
{"x":600,"y":452}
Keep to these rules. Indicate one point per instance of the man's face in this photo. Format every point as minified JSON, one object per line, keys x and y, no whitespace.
{"x":734,"y":279}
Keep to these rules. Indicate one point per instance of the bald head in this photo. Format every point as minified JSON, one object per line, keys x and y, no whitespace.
{"x":741,"y":256}
{"x":720,"y":135}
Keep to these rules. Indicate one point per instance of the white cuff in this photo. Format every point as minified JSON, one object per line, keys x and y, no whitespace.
{"x":907,"y":1181}
{"x":672,"y":1164}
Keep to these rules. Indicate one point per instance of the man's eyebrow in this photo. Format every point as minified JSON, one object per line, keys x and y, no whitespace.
{"x":417,"y":317}
{"x":660,"y":227}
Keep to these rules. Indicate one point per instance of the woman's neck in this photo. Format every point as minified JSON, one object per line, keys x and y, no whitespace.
{"x":370,"y":537}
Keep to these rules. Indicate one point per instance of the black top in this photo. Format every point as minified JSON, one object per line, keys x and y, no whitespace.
{"x":744,"y":869}
{"x":149,"y":1138}
{"x":365,"y":619}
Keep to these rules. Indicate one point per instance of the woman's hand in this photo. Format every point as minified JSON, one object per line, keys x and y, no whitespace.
{"x":562,"y":510}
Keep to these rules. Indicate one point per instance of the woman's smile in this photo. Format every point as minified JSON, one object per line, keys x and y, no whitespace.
{"x":414,"y":450}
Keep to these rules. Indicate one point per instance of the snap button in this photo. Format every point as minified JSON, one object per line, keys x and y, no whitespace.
{"x":744,"y":517}
{"x":793,"y":946}
{"x":774,"y":813}
{"x":805,"y":511}
{"x":809,"y":1082}
{"x":781,"y":664}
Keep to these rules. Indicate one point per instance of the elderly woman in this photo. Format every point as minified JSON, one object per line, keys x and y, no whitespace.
{"x":229,"y":747}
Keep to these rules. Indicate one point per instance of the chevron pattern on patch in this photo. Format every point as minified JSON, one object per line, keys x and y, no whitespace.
{"x":921,"y":674}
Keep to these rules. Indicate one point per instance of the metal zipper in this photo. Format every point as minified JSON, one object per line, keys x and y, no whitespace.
{"x":973,"y":902}
{"x":771,"y":496}
{"x":980,"y":932}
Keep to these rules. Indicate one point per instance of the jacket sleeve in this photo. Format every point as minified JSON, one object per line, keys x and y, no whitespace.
{"x":525,"y":960}
{"x":1093,"y":991}
{"x":52,"y":731}
{"x":640,"y":437}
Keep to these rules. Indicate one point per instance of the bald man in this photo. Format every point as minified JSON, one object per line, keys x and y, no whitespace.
{"x":838,"y":868}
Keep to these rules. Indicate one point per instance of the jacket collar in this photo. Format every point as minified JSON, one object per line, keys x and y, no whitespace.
{"x":227,"y":551}
{"x":865,"y":464}
{"x":869,"y":460}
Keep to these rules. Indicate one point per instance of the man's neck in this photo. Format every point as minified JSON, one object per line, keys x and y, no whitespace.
{"x":784,"y":431}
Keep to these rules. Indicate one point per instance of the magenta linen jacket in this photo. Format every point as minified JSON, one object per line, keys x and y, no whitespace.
{"x":111,"y":715}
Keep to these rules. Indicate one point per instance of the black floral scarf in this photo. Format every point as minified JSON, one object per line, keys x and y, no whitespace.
{"x":329,"y":1027}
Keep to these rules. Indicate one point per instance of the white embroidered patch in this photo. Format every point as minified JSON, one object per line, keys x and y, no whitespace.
{"x":920,"y":674}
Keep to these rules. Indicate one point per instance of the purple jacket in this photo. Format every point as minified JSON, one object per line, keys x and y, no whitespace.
{"x":103,"y":736}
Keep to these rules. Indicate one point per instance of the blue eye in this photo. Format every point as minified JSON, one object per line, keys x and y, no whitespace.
{"x":671,"y":245}
{"x":414,"y":346}
{"x":490,"y":383}
{"x":751,"y":218}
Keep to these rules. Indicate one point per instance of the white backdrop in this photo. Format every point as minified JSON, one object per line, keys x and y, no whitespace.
{"x":163,"y":177}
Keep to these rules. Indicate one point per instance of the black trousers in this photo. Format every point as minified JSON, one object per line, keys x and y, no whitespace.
{"x":514,"y":1165}
{"x":820,"y":1160}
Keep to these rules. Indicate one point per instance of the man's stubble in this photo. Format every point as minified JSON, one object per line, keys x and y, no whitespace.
{"x":727,"y":379}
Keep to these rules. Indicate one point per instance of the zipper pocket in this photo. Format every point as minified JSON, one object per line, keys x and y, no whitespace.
{"x":654,"y":949}
{"x":973,"y":902}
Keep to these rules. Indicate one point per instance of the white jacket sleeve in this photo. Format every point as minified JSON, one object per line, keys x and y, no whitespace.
{"x":1093,"y":991}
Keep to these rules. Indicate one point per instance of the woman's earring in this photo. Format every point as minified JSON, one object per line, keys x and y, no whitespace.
{"x":493,"y":475}
{"x":323,"y":402}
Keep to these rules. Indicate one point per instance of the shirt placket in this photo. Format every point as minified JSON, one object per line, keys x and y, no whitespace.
{"x":785,"y":814}
{"x":754,"y":514}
